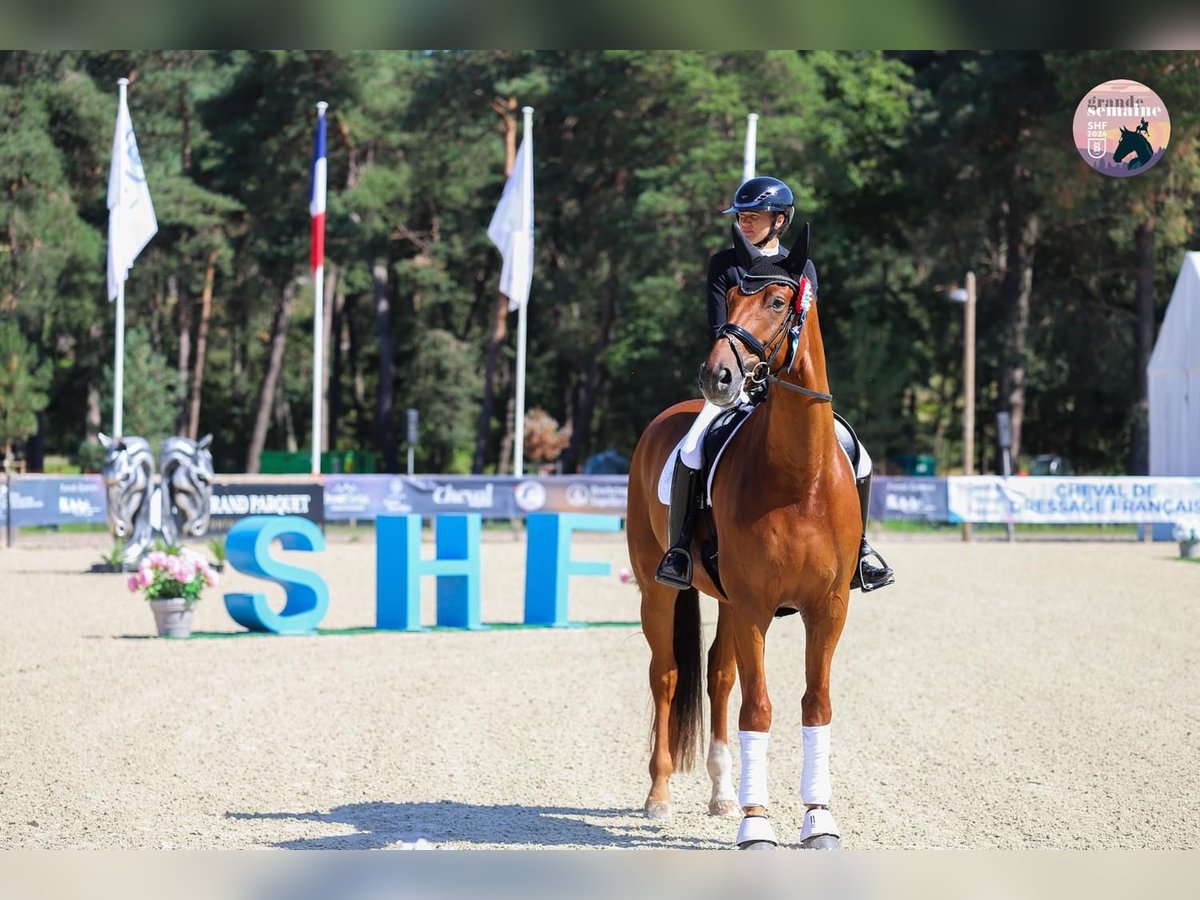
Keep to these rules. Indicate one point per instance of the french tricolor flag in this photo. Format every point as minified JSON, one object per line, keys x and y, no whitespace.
{"x":316,"y":200}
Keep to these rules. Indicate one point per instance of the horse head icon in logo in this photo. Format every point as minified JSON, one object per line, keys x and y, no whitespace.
{"x":530,"y":495}
{"x":579,"y":494}
{"x":1134,"y":142}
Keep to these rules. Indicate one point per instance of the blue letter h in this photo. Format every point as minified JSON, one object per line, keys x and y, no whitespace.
{"x":399,"y":568}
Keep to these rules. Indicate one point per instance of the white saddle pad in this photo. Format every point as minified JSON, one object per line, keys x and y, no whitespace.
{"x":664,"y":477}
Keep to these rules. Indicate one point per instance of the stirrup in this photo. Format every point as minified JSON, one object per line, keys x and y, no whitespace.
{"x":869,"y":577}
{"x":675,"y":570}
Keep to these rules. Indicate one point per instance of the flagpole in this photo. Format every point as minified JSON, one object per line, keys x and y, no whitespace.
{"x":318,"y":330}
{"x":318,"y":364}
{"x":119,"y":366}
{"x":119,"y":362}
{"x":751,"y":146}
{"x":526,"y":229}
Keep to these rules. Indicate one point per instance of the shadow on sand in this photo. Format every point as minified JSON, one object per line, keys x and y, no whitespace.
{"x":507,"y":825}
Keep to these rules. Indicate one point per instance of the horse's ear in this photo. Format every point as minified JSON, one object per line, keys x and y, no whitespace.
{"x":105,"y":441}
{"x":797,"y":257}
{"x":746,"y":252}
{"x":1124,"y":130}
{"x":205,"y":442}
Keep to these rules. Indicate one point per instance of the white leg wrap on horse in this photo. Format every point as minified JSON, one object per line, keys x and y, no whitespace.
{"x":815,"y":784}
{"x":752,"y":789}
{"x":689,"y":452}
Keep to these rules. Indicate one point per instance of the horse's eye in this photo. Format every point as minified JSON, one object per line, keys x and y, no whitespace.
{"x":777,"y":303}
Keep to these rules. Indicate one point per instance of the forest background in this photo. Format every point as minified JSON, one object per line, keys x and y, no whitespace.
{"x":913,"y":168}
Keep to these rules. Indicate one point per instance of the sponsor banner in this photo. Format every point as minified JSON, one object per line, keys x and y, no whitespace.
{"x":233,"y":500}
{"x":499,"y":497}
{"x":895,"y":497}
{"x":1073,"y":500}
{"x":603,"y":494}
{"x":368,"y":496}
{"x":55,"y":500}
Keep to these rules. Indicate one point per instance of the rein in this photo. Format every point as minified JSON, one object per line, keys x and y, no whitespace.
{"x":799,"y":389}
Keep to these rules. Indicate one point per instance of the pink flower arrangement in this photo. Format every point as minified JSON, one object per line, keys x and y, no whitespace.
{"x":172,"y":573}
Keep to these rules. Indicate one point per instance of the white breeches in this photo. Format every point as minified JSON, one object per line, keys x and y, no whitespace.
{"x":689,"y":450}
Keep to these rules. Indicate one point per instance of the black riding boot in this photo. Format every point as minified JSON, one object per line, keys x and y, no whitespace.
{"x":675,"y":569}
{"x":867,"y":576}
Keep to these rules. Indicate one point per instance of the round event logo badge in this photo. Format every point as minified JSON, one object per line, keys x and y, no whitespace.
{"x":1122,"y":128}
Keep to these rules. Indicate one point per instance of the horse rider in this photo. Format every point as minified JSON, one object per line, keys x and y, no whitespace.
{"x":764,"y":208}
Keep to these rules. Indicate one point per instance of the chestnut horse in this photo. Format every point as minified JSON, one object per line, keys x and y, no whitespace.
{"x":788,"y":521}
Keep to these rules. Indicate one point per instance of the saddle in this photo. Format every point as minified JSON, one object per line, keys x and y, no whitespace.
{"x":722,"y":428}
{"x":719,"y":433}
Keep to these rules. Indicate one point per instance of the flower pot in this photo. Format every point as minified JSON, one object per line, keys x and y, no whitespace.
{"x":173,"y":617}
{"x":1189,"y":549}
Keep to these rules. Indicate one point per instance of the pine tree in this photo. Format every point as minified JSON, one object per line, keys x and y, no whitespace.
{"x":22,"y":388}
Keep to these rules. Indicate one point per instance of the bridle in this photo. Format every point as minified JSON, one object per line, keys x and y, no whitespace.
{"x":787,"y":333}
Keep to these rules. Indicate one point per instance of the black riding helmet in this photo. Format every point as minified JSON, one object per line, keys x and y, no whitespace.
{"x":765,"y":194}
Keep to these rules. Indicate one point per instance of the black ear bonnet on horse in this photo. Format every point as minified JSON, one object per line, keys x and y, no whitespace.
{"x":764,"y":270}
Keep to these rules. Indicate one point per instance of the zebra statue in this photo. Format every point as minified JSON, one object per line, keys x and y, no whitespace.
{"x":187,"y":477}
{"x":128,"y":474}
{"x":141,"y":511}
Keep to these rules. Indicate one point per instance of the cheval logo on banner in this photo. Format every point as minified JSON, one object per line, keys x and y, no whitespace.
{"x":472,"y":498}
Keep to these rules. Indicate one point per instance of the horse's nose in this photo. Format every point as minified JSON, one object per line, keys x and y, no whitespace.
{"x":718,"y":384}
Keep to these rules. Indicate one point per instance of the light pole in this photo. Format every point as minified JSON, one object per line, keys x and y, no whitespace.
{"x":966,"y":296}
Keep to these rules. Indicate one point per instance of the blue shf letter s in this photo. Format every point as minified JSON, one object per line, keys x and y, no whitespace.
{"x":248,"y":547}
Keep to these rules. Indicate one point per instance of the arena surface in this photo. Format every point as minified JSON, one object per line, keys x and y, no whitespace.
{"x":1033,"y":695}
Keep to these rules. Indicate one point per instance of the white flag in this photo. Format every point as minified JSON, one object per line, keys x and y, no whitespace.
{"x":512,"y":234}
{"x":131,"y":221}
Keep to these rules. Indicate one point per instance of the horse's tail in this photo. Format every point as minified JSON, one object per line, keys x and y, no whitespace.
{"x":687,"y":706}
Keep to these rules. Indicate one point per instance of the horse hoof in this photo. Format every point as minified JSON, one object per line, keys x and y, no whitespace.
{"x":658,"y":809}
{"x":757,"y":845}
{"x":724,"y":808}
{"x":821,"y":842}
